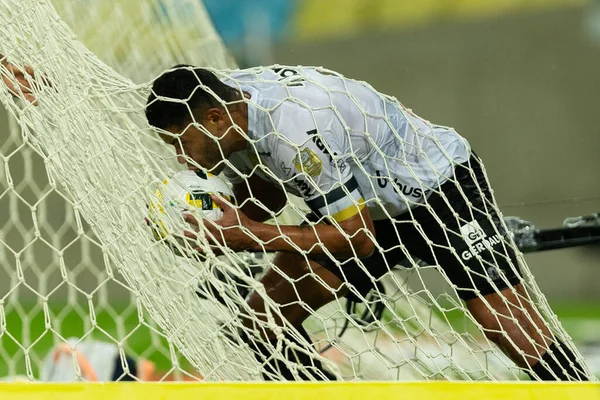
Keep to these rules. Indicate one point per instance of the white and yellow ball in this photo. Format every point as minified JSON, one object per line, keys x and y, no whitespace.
{"x":186,"y":191}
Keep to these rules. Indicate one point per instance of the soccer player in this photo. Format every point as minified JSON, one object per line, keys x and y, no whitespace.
{"x":99,"y":361}
{"x":382,"y":183}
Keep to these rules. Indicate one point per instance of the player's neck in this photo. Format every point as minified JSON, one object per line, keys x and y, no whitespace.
{"x":240,"y":118}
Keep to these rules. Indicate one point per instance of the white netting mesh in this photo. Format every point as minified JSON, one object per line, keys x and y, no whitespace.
{"x":90,"y":134}
{"x":142,"y":43}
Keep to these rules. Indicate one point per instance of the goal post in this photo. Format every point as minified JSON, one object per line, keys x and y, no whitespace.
{"x":102,"y":161}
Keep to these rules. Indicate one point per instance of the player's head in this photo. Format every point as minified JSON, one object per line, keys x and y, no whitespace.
{"x":200,"y":112}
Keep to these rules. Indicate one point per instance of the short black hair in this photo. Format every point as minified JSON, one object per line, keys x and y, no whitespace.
{"x":181,"y":89}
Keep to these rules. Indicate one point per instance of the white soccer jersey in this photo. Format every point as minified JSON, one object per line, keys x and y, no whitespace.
{"x":340,"y":144}
{"x":101,"y":357}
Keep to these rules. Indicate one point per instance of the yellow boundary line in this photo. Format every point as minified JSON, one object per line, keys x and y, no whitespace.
{"x":301,"y":391}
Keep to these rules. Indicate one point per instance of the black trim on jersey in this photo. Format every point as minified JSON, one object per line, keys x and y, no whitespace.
{"x":334,"y":195}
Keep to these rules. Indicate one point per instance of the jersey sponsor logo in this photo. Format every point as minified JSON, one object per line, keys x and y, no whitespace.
{"x":340,"y":163}
{"x":286,"y":170}
{"x":303,"y":187}
{"x":307,"y":161}
{"x":478,"y":242}
{"x":399,"y":188}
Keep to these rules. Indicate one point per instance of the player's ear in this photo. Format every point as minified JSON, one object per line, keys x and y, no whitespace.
{"x":214,"y":116}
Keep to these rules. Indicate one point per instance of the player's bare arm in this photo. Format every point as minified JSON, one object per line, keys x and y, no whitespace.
{"x":238,"y":232}
{"x":351,"y":239}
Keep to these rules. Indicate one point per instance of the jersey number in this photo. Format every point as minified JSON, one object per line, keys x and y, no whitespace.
{"x":290,"y":77}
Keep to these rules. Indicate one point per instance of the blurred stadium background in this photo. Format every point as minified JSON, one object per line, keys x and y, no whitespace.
{"x":518,"y":78}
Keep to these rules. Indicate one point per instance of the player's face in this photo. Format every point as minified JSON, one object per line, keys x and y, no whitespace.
{"x":205,"y":145}
{"x":195,"y":148}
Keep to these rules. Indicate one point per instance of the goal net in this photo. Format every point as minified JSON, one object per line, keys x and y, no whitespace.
{"x":68,"y":268}
{"x":77,"y":178}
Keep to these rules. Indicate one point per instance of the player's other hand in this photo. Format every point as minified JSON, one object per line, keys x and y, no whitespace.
{"x":18,"y":80}
{"x":232,"y":230}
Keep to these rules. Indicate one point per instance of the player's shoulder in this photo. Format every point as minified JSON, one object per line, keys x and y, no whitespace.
{"x":270,"y":72}
{"x":292,"y":77}
{"x":287,"y":101}
{"x":265,"y":77}
{"x":279,"y":82}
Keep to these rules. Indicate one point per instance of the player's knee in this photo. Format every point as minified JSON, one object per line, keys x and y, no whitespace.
{"x":255,"y":309}
{"x":257,"y":315}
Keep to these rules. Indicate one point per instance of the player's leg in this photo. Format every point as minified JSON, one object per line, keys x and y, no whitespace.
{"x":479,"y":258}
{"x":299,"y":288}
{"x":503,"y":307}
{"x":510,"y":320}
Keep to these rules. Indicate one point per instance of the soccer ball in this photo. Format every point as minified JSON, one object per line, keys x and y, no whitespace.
{"x":186,"y":191}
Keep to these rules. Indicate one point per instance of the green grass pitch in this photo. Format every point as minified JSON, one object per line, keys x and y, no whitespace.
{"x":136,"y":336}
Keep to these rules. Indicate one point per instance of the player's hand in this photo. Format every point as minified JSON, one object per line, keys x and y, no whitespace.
{"x":18,"y":80}
{"x":231,"y":230}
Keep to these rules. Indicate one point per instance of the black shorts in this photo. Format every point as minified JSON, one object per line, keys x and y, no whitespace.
{"x":119,"y":373}
{"x":457,"y":229}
